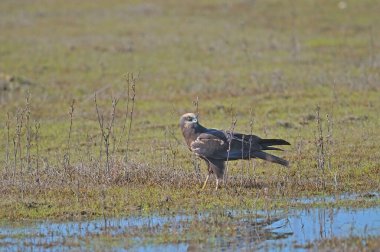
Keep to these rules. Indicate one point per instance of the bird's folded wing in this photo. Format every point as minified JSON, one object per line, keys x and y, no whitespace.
{"x":243,"y":137}
{"x":218,"y":144}
{"x":212,"y":144}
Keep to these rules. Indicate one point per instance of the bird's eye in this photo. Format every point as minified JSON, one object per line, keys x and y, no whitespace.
{"x":189,"y":118}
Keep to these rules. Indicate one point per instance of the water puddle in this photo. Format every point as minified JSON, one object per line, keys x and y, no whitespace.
{"x":311,"y":225}
{"x":225,"y":230}
{"x":335,"y":198}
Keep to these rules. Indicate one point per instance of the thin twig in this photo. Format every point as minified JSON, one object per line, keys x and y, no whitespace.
{"x":106,"y":130}
{"x":132,"y":97}
{"x":230,"y":135}
{"x":251,"y":122}
{"x":320,"y":147}
{"x":7,"y":152}
{"x":37,"y":126}
{"x":28,"y":132}
{"x":100,"y":121}
{"x":71,"y":113}
{"x":126,"y":114}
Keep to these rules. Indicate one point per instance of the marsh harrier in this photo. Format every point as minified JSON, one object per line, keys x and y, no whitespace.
{"x":216,"y":146}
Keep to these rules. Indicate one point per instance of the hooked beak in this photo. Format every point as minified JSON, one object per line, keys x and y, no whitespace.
{"x":195,"y":120}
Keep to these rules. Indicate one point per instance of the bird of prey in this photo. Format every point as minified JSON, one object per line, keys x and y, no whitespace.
{"x":216,"y":146}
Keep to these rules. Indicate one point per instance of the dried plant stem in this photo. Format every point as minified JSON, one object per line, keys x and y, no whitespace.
{"x":101,"y":125}
{"x":28,"y":132}
{"x":106,"y":131}
{"x":7,"y":147}
{"x":110,"y":131}
{"x":71,"y":113}
{"x":37,"y":126}
{"x":251,"y":122}
{"x":242,"y":157}
{"x":329,"y":141}
{"x":194,"y":159}
{"x":230,"y":136}
{"x":129,"y":80}
{"x":14,"y":159}
{"x":130,"y":121}
{"x":131,"y":95}
{"x":320,"y":146}
{"x":17,"y":149}
{"x":320,"y":142}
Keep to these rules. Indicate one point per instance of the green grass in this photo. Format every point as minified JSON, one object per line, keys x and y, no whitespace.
{"x":272,"y":62}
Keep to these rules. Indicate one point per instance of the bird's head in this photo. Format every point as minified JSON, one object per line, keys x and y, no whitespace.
{"x":188,"y":120}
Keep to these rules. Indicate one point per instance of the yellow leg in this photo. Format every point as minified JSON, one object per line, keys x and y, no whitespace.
{"x":217,"y":184}
{"x":204,"y":184}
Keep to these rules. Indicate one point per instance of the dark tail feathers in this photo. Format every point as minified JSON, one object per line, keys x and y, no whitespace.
{"x":270,"y":158}
{"x":267,"y":144}
{"x":270,"y":142}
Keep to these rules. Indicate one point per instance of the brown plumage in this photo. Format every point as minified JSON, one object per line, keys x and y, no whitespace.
{"x":216,"y":146}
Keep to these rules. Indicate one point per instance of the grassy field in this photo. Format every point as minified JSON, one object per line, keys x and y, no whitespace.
{"x":304,"y":71}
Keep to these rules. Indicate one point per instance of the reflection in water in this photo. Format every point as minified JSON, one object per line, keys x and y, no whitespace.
{"x":315,"y":224}
{"x":243,"y":230}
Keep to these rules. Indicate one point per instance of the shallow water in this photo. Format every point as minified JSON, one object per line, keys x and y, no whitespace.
{"x":309,"y":226}
{"x":335,"y":198}
{"x":225,"y":230}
